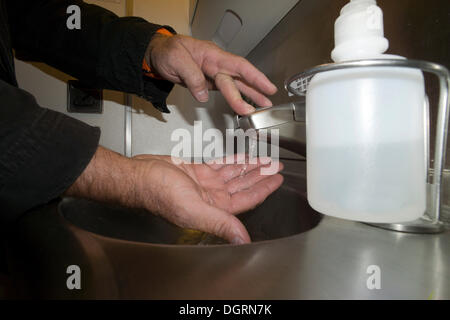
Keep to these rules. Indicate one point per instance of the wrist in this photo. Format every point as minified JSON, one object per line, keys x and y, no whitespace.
{"x":157,"y":39}
{"x":109,"y":177}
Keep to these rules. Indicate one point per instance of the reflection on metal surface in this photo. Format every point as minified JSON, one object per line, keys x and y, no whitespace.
{"x":417,"y":226}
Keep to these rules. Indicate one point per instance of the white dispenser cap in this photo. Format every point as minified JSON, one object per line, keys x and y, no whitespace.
{"x":359,"y":32}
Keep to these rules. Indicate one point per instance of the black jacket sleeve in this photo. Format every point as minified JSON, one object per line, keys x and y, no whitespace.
{"x":107,"y":52}
{"x":42,"y":152}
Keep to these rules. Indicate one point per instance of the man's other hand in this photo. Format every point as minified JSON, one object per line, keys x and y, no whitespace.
{"x":201,"y":65}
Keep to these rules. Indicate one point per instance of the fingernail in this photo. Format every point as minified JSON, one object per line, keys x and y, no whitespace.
{"x":237,"y":240}
{"x":249,"y":108}
{"x":268,"y":103}
{"x":274,"y":89}
{"x":202,"y":96}
{"x":265,"y":160}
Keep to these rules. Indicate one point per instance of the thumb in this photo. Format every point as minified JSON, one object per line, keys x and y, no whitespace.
{"x":220,"y":223}
{"x":192,"y":76}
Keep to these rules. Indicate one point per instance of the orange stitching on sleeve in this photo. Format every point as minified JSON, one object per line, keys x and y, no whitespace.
{"x":145,"y":67}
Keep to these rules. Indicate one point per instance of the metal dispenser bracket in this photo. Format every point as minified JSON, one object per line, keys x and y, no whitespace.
{"x":429,"y":222}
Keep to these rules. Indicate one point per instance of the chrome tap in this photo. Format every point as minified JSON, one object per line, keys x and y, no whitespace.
{"x":288,"y":118}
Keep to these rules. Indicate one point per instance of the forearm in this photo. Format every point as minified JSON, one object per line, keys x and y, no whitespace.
{"x":109,"y":177}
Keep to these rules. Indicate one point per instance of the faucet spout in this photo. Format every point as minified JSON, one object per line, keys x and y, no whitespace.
{"x":266,"y":118}
{"x":289,"y":119}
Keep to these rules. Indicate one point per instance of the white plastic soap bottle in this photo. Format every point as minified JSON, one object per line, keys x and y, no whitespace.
{"x":365,"y":128}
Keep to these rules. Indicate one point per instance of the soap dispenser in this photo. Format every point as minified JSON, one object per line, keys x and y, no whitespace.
{"x":365,"y":128}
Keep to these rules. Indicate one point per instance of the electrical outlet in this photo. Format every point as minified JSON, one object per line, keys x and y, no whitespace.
{"x":82,"y":99}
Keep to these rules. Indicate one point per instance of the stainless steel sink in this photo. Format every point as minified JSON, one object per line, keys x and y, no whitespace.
{"x":124,"y":253}
{"x":143,"y":257}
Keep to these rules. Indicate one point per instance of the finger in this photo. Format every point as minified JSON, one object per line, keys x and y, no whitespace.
{"x":248,"y":72}
{"x":256,"y":96}
{"x":249,"y":198}
{"x":218,"y":222}
{"x":192,"y":76}
{"x":231,"y":94}
{"x":248,"y":180}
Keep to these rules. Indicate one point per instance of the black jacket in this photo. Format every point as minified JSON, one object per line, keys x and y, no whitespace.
{"x":42,"y":152}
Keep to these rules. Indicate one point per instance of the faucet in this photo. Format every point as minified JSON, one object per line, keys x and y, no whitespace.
{"x":288,"y":118}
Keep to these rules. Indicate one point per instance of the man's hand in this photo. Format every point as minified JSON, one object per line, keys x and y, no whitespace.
{"x":201,"y":65}
{"x":198,"y":196}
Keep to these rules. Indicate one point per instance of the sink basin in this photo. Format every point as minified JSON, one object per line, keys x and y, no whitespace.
{"x":295,"y":254}
{"x":284,"y":213}
{"x":125,"y":253}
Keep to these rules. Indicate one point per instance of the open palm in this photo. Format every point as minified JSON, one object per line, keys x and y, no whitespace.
{"x":204,"y":196}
